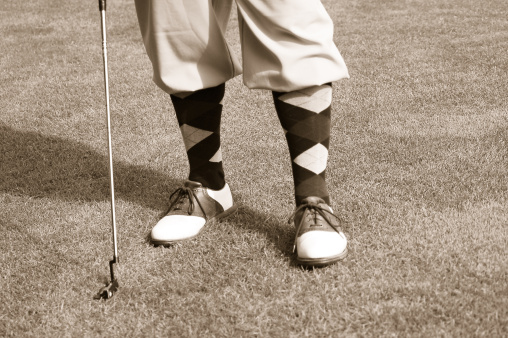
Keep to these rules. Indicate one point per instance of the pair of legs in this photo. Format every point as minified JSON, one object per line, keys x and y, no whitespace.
{"x":287,"y":47}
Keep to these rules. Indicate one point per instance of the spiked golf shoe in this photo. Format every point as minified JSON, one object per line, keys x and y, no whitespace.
{"x":319,"y":240}
{"x":191,"y":208}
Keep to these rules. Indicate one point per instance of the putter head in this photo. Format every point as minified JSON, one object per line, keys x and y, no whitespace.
{"x":108,"y":291}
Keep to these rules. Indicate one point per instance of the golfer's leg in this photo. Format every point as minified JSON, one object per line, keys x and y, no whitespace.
{"x":288,"y":48}
{"x":191,"y":61}
{"x":185,"y":42}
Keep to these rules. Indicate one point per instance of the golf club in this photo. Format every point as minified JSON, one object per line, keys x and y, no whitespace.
{"x":109,"y":290}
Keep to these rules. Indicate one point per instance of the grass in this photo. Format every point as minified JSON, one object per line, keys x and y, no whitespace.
{"x":418,"y":168}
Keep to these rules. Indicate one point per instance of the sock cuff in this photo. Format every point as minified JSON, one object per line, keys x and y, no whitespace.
{"x":211,"y":95}
{"x":276,"y":95}
{"x":202,"y":109}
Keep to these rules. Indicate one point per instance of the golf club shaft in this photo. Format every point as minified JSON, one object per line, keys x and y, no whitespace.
{"x":102,"y":7}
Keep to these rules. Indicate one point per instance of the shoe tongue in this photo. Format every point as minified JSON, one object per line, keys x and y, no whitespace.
{"x":192,"y":184}
{"x":314,"y":200}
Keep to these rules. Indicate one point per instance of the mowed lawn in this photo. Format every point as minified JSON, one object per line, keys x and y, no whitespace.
{"x":418,"y":169}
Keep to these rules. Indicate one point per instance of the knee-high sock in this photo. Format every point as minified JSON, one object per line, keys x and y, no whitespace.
{"x":305,"y":118}
{"x":199,"y":117}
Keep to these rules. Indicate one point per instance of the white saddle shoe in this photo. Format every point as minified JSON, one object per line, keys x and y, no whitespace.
{"x":192,"y":207}
{"x":319,"y":241}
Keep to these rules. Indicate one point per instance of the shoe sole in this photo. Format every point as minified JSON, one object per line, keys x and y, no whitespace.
{"x":212,"y":220}
{"x":319,"y":262}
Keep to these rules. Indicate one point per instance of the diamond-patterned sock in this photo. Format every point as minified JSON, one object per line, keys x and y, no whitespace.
{"x":199,"y":116}
{"x":305,"y":118}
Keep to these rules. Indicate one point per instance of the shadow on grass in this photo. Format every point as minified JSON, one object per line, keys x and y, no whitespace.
{"x":38,"y":165}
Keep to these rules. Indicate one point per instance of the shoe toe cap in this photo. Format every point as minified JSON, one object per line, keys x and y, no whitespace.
{"x":320,"y":244}
{"x":177,"y":227}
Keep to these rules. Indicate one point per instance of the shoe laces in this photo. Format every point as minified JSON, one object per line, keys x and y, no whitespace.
{"x":180,"y":197}
{"x":314,"y":211}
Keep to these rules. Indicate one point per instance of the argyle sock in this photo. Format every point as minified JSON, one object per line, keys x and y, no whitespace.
{"x":305,"y":118}
{"x":199,"y":116}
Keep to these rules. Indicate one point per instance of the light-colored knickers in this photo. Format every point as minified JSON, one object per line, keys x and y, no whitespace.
{"x":286,"y":44}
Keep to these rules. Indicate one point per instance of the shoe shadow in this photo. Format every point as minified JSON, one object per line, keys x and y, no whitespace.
{"x":38,"y":166}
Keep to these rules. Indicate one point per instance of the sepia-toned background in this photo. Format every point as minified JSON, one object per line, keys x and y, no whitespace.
{"x":418,"y":169}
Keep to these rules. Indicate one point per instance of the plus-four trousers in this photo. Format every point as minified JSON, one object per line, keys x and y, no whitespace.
{"x":286,"y":44}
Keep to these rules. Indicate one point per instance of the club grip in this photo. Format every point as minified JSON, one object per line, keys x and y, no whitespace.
{"x":102,"y":5}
